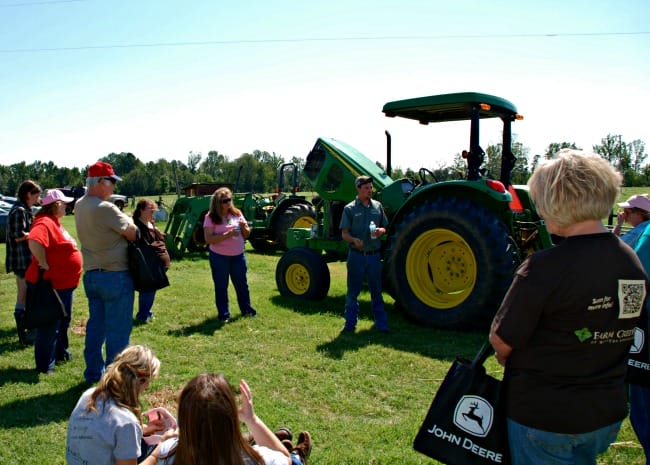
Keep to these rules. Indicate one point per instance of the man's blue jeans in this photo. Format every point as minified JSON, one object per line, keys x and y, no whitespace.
{"x":640,"y":416}
{"x":224,"y":267}
{"x":47,"y":342}
{"x":360,"y":266}
{"x":110,"y":307}
{"x":530,"y":446}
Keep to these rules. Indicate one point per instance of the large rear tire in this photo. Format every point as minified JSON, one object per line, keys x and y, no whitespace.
{"x":263,"y":245}
{"x":300,"y":215}
{"x":302,"y":274}
{"x":449,"y":264}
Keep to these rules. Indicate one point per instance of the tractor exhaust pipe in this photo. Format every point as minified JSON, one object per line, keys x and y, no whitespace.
{"x":389,"y":167}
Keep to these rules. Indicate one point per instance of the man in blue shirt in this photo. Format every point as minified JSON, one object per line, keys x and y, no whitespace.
{"x":362,"y":224}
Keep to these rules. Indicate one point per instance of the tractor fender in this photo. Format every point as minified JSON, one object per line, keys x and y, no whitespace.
{"x":478,"y":192}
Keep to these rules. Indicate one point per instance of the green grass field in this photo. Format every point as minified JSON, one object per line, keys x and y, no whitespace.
{"x":362,"y":396}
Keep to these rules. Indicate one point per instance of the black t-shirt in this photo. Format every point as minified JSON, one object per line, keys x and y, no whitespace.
{"x":569,"y":316}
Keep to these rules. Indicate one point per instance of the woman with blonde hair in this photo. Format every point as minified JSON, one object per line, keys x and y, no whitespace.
{"x":565,"y":326}
{"x":226,"y":230}
{"x":105,"y":426}
{"x":209,"y":431}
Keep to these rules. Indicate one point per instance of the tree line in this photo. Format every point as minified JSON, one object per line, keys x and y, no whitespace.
{"x":258,"y":171}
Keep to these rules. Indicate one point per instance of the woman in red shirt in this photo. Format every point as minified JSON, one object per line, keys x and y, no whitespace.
{"x":56,"y":252}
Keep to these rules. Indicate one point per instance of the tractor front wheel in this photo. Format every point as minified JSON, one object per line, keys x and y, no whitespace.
{"x":302,"y":274}
{"x":450,"y":263}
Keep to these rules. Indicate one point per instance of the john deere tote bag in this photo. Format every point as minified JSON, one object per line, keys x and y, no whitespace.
{"x":466,"y":423}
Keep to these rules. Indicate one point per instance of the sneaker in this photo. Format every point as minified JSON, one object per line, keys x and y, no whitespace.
{"x":303,"y":448}
{"x":65,"y":356}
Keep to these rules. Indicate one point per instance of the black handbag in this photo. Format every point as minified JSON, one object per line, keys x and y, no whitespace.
{"x":145,"y":266}
{"x":466,"y":423}
{"x":43,"y":306}
{"x":638,"y":362}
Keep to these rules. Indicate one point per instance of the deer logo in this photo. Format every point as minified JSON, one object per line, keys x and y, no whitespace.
{"x":474,"y":415}
{"x":639,"y":341}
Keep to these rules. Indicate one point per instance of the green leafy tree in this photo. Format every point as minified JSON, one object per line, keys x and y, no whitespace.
{"x":612,"y":149}
{"x":636,"y":149}
{"x":193,"y":160}
{"x":123,"y":163}
{"x":555,"y":147}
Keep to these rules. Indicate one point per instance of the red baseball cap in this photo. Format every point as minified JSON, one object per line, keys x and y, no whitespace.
{"x":102,"y":170}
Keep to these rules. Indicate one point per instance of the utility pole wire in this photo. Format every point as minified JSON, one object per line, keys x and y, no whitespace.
{"x":321,"y":39}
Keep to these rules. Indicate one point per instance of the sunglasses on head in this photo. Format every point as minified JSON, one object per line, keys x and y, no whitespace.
{"x":225,"y":201}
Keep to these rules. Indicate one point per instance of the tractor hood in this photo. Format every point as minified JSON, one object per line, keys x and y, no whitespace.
{"x":332,"y":166}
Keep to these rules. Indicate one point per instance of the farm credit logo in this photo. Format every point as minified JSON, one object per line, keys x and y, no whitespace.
{"x":473,"y":415}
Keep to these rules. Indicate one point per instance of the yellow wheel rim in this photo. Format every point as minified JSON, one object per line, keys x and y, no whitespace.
{"x":297,"y":279}
{"x":441,"y":268}
{"x":304,"y":222}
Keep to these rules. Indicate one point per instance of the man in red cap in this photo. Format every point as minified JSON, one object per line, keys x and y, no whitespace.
{"x":103,"y":231}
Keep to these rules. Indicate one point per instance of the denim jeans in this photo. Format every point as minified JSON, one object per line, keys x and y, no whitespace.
{"x":360,"y":266}
{"x":47,"y":343}
{"x":145,"y":303}
{"x":234,"y":267}
{"x":640,"y":416}
{"x":110,"y":307}
{"x":530,"y":446}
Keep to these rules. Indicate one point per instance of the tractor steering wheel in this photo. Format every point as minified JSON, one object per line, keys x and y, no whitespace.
{"x":423,"y":172}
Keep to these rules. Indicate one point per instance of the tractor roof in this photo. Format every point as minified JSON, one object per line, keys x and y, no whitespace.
{"x":450,"y":107}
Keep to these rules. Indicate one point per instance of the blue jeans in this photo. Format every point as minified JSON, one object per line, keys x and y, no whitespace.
{"x":640,"y":416}
{"x":530,"y":446}
{"x":358,"y":266}
{"x":224,"y":267}
{"x":110,"y":307}
{"x":145,"y":303}
{"x":47,"y":344}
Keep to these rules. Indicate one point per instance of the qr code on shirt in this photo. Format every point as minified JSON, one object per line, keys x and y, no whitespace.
{"x":631,"y":295}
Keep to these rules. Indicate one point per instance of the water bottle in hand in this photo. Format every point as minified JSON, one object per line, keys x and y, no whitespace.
{"x":372,"y":228}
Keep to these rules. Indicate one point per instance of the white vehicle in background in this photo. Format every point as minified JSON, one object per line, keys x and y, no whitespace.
{"x":77,"y":192}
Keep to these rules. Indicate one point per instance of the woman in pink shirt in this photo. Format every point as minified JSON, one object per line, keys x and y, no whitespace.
{"x":226,"y":230}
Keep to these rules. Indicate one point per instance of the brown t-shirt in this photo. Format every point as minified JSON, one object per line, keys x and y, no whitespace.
{"x":570,"y":315}
{"x":100,"y":228}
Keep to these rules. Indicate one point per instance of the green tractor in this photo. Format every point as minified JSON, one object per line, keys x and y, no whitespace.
{"x":269,"y":216}
{"x":451,"y":247}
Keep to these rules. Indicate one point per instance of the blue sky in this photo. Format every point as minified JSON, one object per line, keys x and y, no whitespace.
{"x":82,"y":78}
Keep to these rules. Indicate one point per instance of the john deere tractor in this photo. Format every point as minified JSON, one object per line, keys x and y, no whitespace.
{"x":451,"y":247}
{"x":270,"y":216}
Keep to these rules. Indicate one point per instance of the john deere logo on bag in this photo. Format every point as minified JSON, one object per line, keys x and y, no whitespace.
{"x":474,"y":415}
{"x":639,"y":341}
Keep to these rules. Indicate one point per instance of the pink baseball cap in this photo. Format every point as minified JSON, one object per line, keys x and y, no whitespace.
{"x":640,"y":201}
{"x":54,"y":195}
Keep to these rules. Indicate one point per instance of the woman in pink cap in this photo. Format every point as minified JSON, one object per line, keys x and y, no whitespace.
{"x":56,"y":252}
{"x":636,"y":212}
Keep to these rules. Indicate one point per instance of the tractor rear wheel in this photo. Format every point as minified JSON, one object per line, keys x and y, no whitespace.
{"x":450,"y":263}
{"x":263,"y":245}
{"x":300,"y":215}
{"x":302,"y":274}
